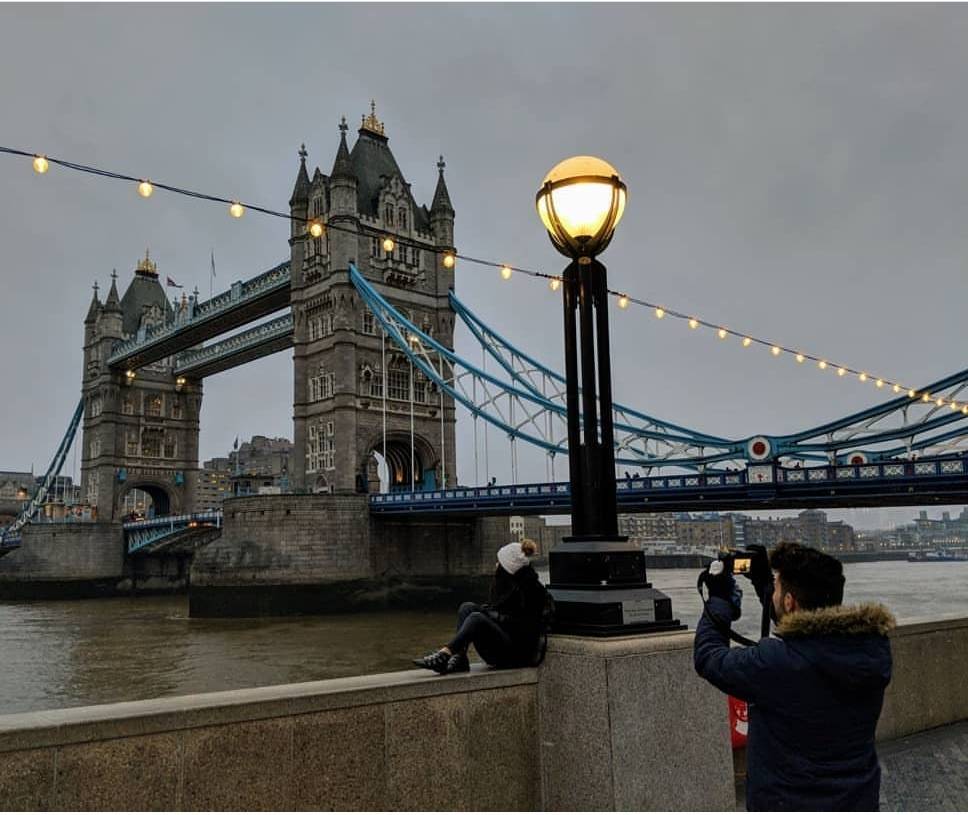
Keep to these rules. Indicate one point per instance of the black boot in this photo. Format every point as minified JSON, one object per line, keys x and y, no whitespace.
{"x":458,"y":663}
{"x":434,"y":661}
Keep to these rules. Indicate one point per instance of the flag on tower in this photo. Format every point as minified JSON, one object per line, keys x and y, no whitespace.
{"x":172,"y":284}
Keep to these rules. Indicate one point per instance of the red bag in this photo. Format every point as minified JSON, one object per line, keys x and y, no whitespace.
{"x":738,"y":721}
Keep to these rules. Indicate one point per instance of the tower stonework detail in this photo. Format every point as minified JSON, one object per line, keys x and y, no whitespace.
{"x":139,"y":432}
{"x":343,"y":366}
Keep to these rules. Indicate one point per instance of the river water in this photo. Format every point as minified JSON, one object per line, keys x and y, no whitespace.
{"x":69,"y":653}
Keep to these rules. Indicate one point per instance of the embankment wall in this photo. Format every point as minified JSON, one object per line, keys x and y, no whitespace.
{"x":603,"y":724}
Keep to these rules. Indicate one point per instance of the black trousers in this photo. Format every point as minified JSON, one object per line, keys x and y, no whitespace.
{"x":475,"y":627}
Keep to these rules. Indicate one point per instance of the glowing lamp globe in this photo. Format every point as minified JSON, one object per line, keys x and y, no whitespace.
{"x":580,"y":203}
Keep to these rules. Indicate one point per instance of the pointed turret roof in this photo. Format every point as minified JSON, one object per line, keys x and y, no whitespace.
{"x":342,"y":167}
{"x":300,"y":192}
{"x":143,"y":292}
{"x":441,"y":202}
{"x":373,"y":163}
{"x":95,"y":307}
{"x":113,"y":303}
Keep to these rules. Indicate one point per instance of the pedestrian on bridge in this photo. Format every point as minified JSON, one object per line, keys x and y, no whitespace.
{"x":814,"y":691}
{"x":506,"y":632}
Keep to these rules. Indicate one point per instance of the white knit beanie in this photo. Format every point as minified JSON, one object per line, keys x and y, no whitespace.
{"x":511,"y":557}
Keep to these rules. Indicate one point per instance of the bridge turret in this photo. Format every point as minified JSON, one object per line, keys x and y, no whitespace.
{"x":442,"y":225}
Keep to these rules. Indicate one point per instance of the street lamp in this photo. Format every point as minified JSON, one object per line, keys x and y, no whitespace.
{"x":597,"y":579}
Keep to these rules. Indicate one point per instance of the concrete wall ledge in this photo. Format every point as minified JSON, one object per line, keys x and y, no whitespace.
{"x":52,"y":728}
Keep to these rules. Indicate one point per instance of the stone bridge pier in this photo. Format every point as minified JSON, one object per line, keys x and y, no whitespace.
{"x":311,"y":554}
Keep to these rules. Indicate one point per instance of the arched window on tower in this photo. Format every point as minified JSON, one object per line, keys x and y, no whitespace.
{"x":403,"y":218}
{"x":388,"y":215}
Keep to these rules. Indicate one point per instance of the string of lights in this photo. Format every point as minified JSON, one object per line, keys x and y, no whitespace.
{"x":316,"y":227}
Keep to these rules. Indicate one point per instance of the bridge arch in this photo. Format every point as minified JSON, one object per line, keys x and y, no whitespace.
{"x":426,"y":462}
{"x":164,"y":500}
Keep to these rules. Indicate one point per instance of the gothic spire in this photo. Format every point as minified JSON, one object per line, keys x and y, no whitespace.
{"x":342,"y":167}
{"x":95,"y":308}
{"x":300,"y":193}
{"x":441,"y":196}
{"x":113,"y":303}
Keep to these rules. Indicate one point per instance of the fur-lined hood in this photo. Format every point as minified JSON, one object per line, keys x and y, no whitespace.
{"x":865,"y":619}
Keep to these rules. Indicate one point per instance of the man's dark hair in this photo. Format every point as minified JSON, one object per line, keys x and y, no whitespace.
{"x":814,"y":579}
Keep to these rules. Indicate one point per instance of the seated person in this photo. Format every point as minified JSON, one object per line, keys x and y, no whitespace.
{"x":506,"y":631}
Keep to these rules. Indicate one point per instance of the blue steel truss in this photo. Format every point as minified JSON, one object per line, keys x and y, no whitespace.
{"x":526,"y":400}
{"x":269,"y":337}
{"x":12,"y":532}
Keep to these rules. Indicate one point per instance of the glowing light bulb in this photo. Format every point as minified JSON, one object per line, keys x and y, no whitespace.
{"x":623,"y":302}
{"x":912,"y":393}
{"x":41,"y":165}
{"x":954,"y":405}
{"x":939,"y":402}
{"x":775,"y":350}
{"x":926,"y":397}
{"x":964,"y":409}
{"x":896,"y":389}
{"x":722,"y":333}
{"x":746,"y":342}
{"x":822,"y":365}
{"x":315,"y":229}
{"x":506,"y":272}
{"x":693,"y":323}
{"x":554,"y":284}
{"x":862,"y":377}
{"x":388,"y":244}
{"x":130,"y":375}
{"x":145,"y":189}
{"x":449,"y":260}
{"x":800,"y":357}
{"x":841,"y":371}
{"x":236,"y":210}
{"x":660,"y":312}
{"x":879,"y":383}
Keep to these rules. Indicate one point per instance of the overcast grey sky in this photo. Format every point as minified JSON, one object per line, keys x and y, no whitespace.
{"x":800,"y":172}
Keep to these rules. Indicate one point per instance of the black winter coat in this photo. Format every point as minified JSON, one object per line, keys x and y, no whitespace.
{"x":814,"y":694}
{"x":518,"y":600}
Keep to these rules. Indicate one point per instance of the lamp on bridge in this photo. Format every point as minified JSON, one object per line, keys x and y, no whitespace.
{"x":597,"y":579}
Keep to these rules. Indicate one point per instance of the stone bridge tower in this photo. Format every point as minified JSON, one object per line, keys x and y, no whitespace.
{"x":141,"y":431}
{"x":340,"y":367}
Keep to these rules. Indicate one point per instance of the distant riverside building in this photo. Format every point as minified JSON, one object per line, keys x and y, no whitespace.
{"x":710,"y":531}
{"x":214,"y":485}
{"x":648,"y":526}
{"x":261,"y":465}
{"x":545,"y":535}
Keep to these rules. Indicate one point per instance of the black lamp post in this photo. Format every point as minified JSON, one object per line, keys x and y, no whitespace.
{"x":597,"y":579}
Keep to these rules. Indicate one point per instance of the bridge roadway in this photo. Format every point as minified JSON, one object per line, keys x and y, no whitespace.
{"x":941,"y":480}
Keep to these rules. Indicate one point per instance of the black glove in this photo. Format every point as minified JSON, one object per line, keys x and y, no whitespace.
{"x":720,"y":584}
{"x":761,"y":575}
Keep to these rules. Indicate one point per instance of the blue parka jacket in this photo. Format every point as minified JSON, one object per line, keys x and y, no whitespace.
{"x":815,"y":692}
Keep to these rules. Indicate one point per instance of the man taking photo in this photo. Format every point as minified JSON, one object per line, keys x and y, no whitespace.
{"x":814,"y":691}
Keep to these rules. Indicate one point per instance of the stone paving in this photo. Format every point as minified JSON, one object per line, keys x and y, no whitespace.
{"x":927,"y":771}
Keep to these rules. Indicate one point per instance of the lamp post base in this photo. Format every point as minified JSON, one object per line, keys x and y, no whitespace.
{"x":600,"y":589}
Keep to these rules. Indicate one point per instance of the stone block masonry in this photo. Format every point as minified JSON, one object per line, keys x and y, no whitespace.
{"x":312,"y":554}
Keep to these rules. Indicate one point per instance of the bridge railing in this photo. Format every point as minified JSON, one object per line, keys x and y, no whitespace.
{"x":140,"y":534}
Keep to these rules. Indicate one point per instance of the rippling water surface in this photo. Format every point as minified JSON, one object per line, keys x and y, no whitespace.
{"x":68,"y":653}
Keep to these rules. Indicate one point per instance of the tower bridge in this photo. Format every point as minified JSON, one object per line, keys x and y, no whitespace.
{"x":370,"y":323}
